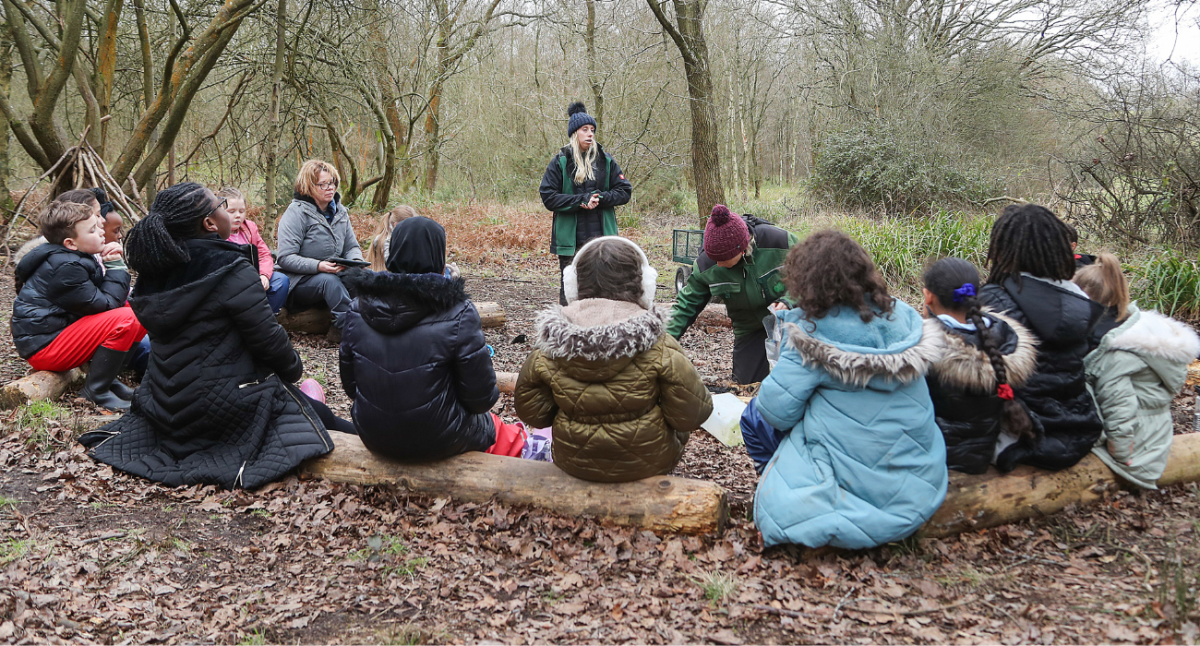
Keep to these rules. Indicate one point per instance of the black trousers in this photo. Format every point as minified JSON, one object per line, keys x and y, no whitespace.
{"x":332,"y":422}
{"x":750,"y":358}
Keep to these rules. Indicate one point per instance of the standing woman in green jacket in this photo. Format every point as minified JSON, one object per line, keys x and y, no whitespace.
{"x":740,"y":266}
{"x":582,"y":188}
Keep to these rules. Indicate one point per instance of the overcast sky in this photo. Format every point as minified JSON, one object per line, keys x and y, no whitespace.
{"x":1177,"y":39}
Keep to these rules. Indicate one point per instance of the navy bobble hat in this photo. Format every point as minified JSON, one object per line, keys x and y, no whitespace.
{"x":578,"y":118}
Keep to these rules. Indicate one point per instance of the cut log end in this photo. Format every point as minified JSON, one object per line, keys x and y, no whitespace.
{"x":39,"y":385}
{"x":681,"y":506}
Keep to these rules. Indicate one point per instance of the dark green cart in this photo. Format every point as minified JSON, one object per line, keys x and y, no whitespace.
{"x":685,"y":248}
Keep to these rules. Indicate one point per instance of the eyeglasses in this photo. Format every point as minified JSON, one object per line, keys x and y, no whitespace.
{"x":220,"y":205}
{"x":329,"y":184}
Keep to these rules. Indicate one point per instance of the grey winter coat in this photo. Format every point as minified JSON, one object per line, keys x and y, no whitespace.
{"x":305,"y":237}
{"x":1135,"y":374}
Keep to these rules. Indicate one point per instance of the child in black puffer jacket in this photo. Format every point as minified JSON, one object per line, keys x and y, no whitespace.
{"x":987,"y":354}
{"x":1030,"y":281}
{"x":414,"y":360}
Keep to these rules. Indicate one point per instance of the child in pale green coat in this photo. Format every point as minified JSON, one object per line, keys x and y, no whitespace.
{"x":1135,"y":373}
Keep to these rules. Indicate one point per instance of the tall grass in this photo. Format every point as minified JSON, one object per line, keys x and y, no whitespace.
{"x":903,"y":247}
{"x":1168,"y":282}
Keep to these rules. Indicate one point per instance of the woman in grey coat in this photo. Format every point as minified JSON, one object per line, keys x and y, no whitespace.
{"x":315,"y":228}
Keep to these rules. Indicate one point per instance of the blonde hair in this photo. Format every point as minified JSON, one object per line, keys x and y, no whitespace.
{"x":1105,"y":284}
{"x":231,"y":193}
{"x":584,"y":162}
{"x":388,"y":222}
{"x":310,"y":174}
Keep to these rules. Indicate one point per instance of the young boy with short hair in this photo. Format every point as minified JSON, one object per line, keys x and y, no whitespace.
{"x":69,"y":310}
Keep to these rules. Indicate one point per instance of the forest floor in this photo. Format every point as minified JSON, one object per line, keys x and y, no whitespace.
{"x":91,"y":555}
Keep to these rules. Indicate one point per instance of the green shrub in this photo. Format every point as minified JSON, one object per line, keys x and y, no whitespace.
{"x":1168,"y":282}
{"x":876,"y":166}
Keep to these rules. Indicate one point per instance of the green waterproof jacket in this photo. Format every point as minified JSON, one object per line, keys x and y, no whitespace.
{"x":562,"y":197}
{"x":746,"y":289}
{"x":1134,"y":374}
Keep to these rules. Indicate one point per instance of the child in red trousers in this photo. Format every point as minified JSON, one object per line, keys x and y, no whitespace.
{"x":70,"y":310}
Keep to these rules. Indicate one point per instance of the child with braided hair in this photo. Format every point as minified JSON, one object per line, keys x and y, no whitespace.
{"x":987,"y":354}
{"x":217,"y":404}
{"x":1029,"y":281}
{"x":1135,"y":372}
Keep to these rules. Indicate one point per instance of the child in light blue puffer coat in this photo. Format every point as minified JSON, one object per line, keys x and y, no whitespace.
{"x":861,"y":461}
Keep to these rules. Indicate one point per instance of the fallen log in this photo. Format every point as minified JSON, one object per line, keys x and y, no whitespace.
{"x":506,"y":381}
{"x":491,"y":314}
{"x":1193,"y":374}
{"x":317,"y":320}
{"x":661,"y":504}
{"x":991,"y":499}
{"x":39,"y":385}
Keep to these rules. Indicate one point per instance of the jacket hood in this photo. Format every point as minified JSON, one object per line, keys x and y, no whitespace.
{"x":38,"y":255}
{"x":965,"y":365}
{"x":1053,"y":312}
{"x":1161,"y":341}
{"x":597,"y":330}
{"x":165,"y":304}
{"x":392,"y":303}
{"x":899,"y":347}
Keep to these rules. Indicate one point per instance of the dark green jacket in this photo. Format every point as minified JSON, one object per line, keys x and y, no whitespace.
{"x":746,"y":289}
{"x":562,"y":196}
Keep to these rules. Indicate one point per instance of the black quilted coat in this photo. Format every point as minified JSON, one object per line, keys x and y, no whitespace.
{"x":60,"y":287}
{"x":1056,"y":394}
{"x":217,"y":404}
{"x":962,"y":385}
{"x":414,"y":360}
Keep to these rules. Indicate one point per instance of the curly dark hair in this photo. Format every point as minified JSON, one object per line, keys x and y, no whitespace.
{"x":829,"y":269}
{"x":1029,"y":238}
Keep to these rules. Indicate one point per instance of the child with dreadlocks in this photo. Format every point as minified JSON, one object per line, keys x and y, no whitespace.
{"x":1030,"y":281}
{"x":987,"y":354}
{"x":217,"y":405}
{"x":1139,"y":366}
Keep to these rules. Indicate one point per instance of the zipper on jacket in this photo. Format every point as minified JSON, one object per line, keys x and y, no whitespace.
{"x":237,"y":482}
{"x":310,"y":419}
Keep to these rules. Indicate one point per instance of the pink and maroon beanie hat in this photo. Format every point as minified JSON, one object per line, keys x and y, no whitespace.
{"x":725,"y":235}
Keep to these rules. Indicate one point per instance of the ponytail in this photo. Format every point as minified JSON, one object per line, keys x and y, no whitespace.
{"x":155,"y":244}
{"x":1105,"y":283}
{"x":954,"y":282}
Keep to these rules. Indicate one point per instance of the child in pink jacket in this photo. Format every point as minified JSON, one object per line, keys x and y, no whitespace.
{"x":246,"y":232}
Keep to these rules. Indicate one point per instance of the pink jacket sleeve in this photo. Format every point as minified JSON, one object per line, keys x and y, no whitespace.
{"x":266,"y":264}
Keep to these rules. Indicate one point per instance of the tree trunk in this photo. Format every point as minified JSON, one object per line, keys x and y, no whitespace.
{"x":593,"y":66}
{"x":106,"y":65}
{"x":662,"y":503}
{"x":6,"y":70}
{"x":706,"y":154}
{"x":272,"y":143}
{"x":432,"y":131}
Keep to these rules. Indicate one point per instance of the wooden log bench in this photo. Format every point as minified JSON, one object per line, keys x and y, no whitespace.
{"x":41,"y":384}
{"x":664,"y":504}
{"x":317,"y":320}
{"x":991,"y":499}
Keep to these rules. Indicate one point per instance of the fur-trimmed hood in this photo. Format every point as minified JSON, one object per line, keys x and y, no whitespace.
{"x":1148,"y":333}
{"x":898,"y":347}
{"x":965,"y":365}
{"x":392,"y":303}
{"x":597,"y":329}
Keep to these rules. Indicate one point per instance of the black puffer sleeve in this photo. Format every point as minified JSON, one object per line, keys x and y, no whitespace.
{"x":620,"y":190}
{"x":475,"y":377}
{"x":265,"y":338}
{"x":73,"y":290}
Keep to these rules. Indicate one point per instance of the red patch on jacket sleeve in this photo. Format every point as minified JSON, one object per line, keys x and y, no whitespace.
{"x":621,"y":176}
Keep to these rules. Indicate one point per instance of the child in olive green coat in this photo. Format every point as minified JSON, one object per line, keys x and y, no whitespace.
{"x":1134,"y":373}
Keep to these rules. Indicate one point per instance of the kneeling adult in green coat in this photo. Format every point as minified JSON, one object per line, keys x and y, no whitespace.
{"x":739,"y":266}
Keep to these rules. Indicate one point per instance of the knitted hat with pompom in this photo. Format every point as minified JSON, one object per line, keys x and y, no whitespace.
{"x":578,"y":118}
{"x":726,"y":234}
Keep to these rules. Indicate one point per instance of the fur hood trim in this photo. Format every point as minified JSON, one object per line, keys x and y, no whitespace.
{"x":859,"y":368}
{"x":433,"y":291}
{"x":559,"y":338}
{"x":968,"y":367}
{"x":1156,"y":335}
